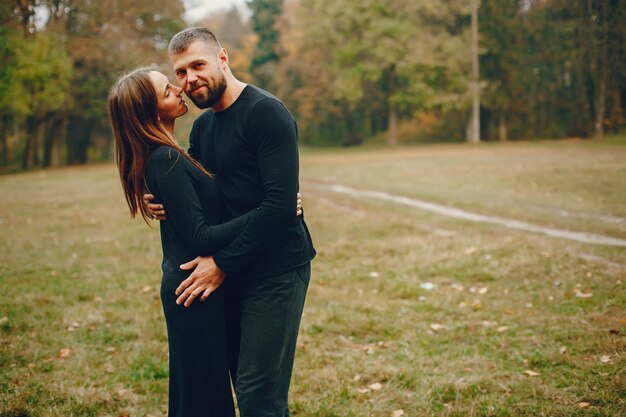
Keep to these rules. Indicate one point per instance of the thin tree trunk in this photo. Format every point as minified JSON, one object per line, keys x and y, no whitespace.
{"x":475,"y":131}
{"x":392,"y":139}
{"x":502,"y":130}
{"x":4,"y":146}
{"x":53,"y":143}
{"x":31,"y":153}
{"x":601,"y":109}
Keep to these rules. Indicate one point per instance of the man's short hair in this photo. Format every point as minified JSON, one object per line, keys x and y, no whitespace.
{"x":181,"y":41}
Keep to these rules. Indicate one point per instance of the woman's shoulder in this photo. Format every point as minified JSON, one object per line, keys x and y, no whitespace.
{"x":165,"y":158}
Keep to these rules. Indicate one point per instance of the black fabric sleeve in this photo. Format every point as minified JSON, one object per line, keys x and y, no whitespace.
{"x":273,"y":131}
{"x":173,"y":180}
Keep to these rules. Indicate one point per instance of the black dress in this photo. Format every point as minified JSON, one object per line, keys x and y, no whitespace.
{"x":199,"y":379}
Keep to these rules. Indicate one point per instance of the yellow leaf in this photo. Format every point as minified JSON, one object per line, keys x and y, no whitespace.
{"x":64,"y":353}
{"x":531,"y":373}
{"x":583,"y":405}
{"x":470,"y":251}
{"x":397,"y":413}
{"x":376,"y":386}
{"x":436,"y":327}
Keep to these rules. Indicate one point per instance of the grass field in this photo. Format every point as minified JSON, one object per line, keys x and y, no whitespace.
{"x":409,"y":312}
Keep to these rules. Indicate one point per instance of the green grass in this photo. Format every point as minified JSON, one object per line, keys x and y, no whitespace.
{"x":76,"y":273}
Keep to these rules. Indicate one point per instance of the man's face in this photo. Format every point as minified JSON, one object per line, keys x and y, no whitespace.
{"x":200,"y":74}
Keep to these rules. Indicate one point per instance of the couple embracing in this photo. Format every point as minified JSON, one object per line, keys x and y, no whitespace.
{"x":229,"y":211}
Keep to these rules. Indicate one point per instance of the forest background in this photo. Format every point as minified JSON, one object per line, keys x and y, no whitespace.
{"x":351,"y":71}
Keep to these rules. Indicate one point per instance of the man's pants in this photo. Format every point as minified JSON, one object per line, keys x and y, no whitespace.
{"x":262,"y":319}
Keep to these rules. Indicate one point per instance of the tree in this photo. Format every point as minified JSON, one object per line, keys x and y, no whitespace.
{"x":406,"y":54}
{"x":39,"y":81}
{"x":264,"y":16}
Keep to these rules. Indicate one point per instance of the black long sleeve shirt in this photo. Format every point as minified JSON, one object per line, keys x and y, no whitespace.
{"x":193,"y":212}
{"x":252,"y":148}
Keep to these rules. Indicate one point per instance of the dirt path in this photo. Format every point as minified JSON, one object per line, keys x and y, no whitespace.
{"x":466,"y":215}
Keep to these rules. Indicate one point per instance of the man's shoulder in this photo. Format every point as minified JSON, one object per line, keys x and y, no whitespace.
{"x":264,"y":102}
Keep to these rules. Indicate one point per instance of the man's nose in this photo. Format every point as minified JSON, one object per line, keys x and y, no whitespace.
{"x":192,"y":77}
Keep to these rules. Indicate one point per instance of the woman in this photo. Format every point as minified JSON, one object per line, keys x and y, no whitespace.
{"x":143,"y":107}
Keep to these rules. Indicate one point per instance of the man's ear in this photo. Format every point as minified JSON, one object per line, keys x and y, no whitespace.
{"x":222,"y":57}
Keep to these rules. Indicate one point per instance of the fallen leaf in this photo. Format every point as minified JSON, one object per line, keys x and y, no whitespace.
{"x":436,"y":327}
{"x":4,"y":319}
{"x":110,"y":349}
{"x":530,"y":373}
{"x":584,"y":294}
{"x":502,"y":329}
{"x":397,"y":413}
{"x":427,"y":286}
{"x":605,"y":359}
{"x":483,"y":290}
{"x":376,"y":386}
{"x":356,"y":378}
{"x":470,"y":251}
{"x":563,"y":350}
{"x":363,"y":390}
{"x":614,"y":331}
{"x":146,"y":289}
{"x":477,"y":305}
{"x":64,"y":353}
{"x":374,"y":274}
{"x":583,"y":405}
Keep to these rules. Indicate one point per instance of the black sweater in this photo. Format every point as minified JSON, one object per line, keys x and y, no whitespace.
{"x":252,"y":148}
{"x":193,"y":212}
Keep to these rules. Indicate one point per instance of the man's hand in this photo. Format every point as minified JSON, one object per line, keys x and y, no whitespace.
{"x":157,"y":211}
{"x":299,"y":204}
{"x":205,"y":279}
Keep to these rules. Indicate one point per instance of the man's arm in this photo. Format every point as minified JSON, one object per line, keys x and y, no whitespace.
{"x":273,"y":131}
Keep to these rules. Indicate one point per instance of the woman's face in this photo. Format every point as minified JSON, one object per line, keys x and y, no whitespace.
{"x":170,"y":103}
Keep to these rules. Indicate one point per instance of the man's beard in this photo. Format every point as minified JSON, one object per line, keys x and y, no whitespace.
{"x":214,"y":93}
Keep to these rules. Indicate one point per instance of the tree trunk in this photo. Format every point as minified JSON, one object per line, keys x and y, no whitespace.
{"x":4,"y":145}
{"x":502,"y":130}
{"x":392,"y":138}
{"x":601,"y":109}
{"x":474,"y":136}
{"x":78,"y":139}
{"x":53,"y":143}
{"x":31,"y":153}
{"x":351,"y":137}
{"x":392,"y":135}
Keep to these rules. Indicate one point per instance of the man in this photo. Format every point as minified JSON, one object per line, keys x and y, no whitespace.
{"x":249,"y":141}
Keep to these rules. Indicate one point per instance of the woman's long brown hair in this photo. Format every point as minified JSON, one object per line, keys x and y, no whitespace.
{"x":138,"y":131}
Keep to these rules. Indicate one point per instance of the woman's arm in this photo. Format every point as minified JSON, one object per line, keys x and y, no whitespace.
{"x":170,"y":177}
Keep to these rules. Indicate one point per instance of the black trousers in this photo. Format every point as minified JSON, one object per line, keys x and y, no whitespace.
{"x":199,"y":377}
{"x":262,"y":319}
